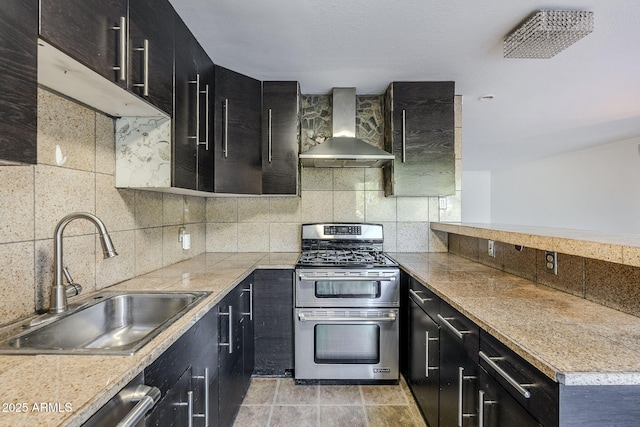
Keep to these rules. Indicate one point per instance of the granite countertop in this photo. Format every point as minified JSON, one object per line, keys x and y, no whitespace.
{"x":570,"y":339}
{"x":53,"y":390}
{"x":618,"y":248}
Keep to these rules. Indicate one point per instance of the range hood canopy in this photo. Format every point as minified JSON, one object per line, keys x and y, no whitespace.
{"x":343,"y":149}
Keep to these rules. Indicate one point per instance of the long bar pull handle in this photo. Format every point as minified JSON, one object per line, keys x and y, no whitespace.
{"x":189,"y":405}
{"x":205,"y":378}
{"x":230,"y":343}
{"x":415,"y":295}
{"x":481,"y":405}
{"x":515,"y":384}
{"x":206,"y":122}
{"x":305,"y":277}
{"x":428,"y":368}
{"x":226,"y":128}
{"x":304,"y":318}
{"x":250,"y":290}
{"x":461,"y":379}
{"x":458,"y":333}
{"x":121,"y":68}
{"x":147,"y":397}
{"x":404,"y":136}
{"x":270,"y":136}
{"x":197,"y":83}
{"x":145,"y":67}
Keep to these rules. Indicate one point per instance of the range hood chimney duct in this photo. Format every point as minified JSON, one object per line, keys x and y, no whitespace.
{"x":343,"y":149}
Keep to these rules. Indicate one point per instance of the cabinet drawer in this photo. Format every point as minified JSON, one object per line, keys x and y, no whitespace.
{"x":542,"y":401}
{"x":424,"y":298}
{"x":464,"y":331}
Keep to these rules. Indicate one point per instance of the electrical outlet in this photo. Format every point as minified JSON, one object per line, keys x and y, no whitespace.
{"x":443,"y":202}
{"x":491,"y":248}
{"x":551,"y":262}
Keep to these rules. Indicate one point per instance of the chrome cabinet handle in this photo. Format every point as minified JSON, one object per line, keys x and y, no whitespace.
{"x":481,"y":405}
{"x":304,"y":318}
{"x":226,"y":128}
{"x":147,"y":397}
{"x":515,"y":384}
{"x":428,"y":368}
{"x":145,"y":68}
{"x":458,"y":333}
{"x":206,"y":122}
{"x":197,"y":83}
{"x":189,"y":405}
{"x":230,"y":343}
{"x":415,"y":295}
{"x":461,"y":379}
{"x":270,"y":136}
{"x":404,"y":135}
{"x":250,"y":290}
{"x":122,"y":56}
{"x":204,"y":377}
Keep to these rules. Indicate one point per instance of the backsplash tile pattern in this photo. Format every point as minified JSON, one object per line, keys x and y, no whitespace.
{"x":327,"y":194}
{"x":143,"y":225}
{"x":606,"y":283}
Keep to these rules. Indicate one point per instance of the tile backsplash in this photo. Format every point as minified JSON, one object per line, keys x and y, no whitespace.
{"x":143,"y":225}
{"x":606,"y":283}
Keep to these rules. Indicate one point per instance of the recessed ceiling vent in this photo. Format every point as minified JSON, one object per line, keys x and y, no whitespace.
{"x":343,"y":149}
{"x":547,"y":33}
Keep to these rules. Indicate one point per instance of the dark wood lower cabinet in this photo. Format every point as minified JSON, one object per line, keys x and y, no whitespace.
{"x":273,"y":311}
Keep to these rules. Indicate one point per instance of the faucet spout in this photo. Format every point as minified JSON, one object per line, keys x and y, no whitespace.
{"x":59,"y":290}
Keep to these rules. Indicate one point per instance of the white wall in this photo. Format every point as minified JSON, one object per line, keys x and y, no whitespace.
{"x":476,"y":196}
{"x":594,"y":189}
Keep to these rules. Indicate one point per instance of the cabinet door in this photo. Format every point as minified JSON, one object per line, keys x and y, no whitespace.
{"x":174,"y":408}
{"x":273,"y":308}
{"x":205,"y":134}
{"x":151,"y":38}
{"x":424,"y":362}
{"x":280,"y":137}
{"x":185,"y":144}
{"x":237,"y":103}
{"x":19,"y":83}
{"x":422,"y":139}
{"x":88,"y":31}
{"x":248,"y":355}
{"x":230,"y":372}
{"x":497,"y":408}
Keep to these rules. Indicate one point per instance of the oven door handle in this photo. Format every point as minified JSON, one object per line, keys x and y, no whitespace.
{"x":305,"y":318}
{"x":391,"y":278}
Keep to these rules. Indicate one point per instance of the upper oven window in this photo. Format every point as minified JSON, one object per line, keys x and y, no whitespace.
{"x":347,"y":289}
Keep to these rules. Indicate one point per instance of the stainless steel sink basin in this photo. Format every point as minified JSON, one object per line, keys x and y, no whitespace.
{"x":118,"y":324}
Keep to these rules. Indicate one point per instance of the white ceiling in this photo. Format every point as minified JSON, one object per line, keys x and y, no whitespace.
{"x":587,"y":95}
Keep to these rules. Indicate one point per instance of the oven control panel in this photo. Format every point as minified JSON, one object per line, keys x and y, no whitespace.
{"x":342,"y":230}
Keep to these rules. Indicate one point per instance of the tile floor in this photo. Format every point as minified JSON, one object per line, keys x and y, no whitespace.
{"x":279,"y":402}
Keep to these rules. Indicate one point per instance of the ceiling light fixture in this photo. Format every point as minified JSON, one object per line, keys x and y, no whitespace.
{"x":547,"y":33}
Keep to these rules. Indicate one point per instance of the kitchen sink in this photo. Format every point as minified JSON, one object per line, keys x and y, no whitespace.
{"x":108,"y":323}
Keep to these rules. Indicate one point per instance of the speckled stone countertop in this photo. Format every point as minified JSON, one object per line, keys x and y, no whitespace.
{"x":72,"y":388}
{"x":619,"y":248}
{"x":570,"y":339}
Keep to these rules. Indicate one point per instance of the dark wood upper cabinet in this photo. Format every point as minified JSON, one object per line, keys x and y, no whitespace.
{"x":280,"y":137}
{"x":89,"y":31}
{"x":151,"y":45}
{"x":237,"y":106}
{"x":193,"y":115}
{"x":420,"y":133}
{"x":19,"y":82}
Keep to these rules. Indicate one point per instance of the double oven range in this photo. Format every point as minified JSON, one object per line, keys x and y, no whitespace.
{"x":346,"y":304}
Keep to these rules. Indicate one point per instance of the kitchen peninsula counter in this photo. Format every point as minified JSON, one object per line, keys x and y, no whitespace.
{"x":570,"y":339}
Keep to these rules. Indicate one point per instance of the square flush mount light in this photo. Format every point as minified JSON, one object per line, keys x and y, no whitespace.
{"x":547,"y":33}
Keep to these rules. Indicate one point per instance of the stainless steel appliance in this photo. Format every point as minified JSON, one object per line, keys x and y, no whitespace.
{"x":346,"y":305}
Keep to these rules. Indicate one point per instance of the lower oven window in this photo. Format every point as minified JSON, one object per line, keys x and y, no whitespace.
{"x":350,"y":289}
{"x":347,"y":344}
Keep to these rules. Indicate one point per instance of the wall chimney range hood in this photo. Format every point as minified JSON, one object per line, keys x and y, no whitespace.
{"x":343,"y":149}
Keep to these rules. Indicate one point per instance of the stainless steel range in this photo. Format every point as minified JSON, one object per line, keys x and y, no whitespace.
{"x":346,"y":305}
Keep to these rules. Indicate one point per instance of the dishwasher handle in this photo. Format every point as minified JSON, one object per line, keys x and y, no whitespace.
{"x":146,"y":397}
